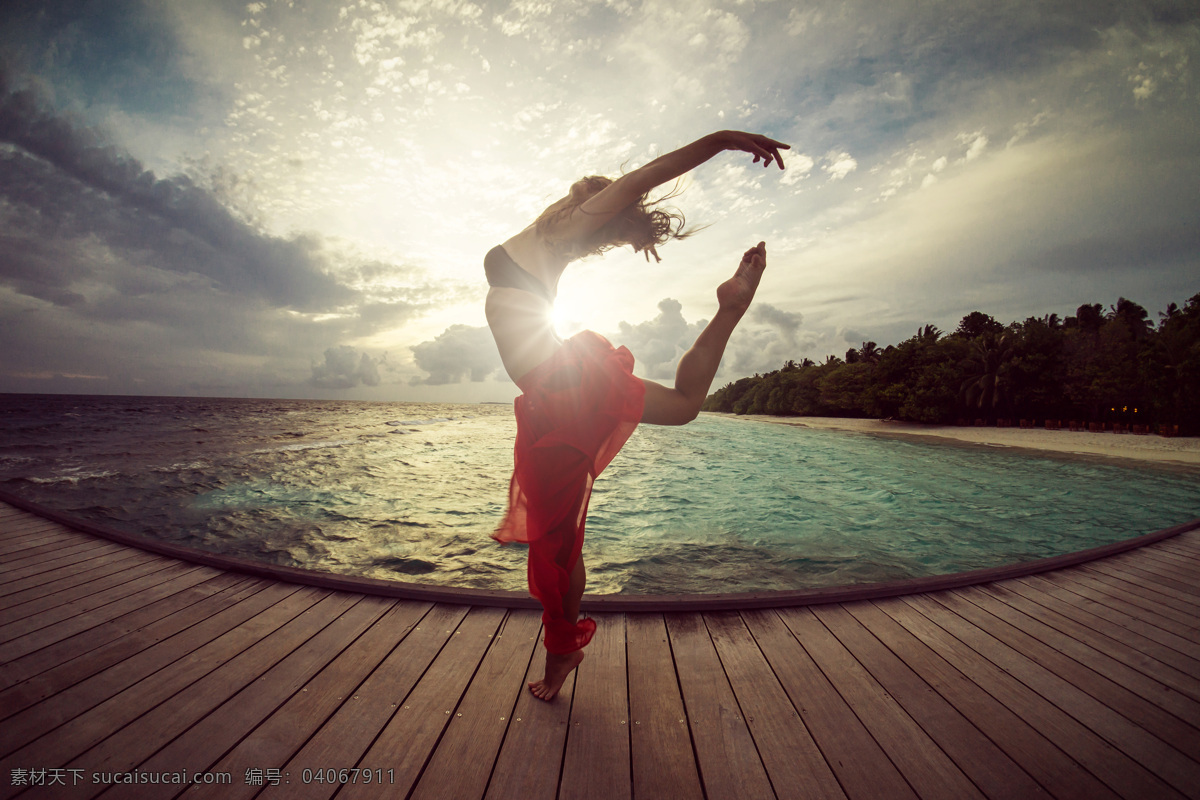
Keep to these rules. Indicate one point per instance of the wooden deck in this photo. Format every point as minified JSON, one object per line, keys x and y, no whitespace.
{"x":1082,"y":682}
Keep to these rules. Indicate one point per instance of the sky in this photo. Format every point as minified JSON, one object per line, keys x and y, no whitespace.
{"x":293,"y":199}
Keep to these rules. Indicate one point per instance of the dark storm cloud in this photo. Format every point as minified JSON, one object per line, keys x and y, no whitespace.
{"x":147,"y":284}
{"x":89,"y":187}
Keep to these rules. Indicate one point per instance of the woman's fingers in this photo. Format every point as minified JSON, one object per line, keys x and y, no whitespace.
{"x":769,"y":149}
{"x":761,"y":147}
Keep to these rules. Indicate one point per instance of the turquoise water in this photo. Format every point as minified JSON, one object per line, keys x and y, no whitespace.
{"x":412,"y":492}
{"x":757,"y":505}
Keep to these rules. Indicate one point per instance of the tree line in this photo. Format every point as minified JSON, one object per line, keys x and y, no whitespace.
{"x":1111,"y":369}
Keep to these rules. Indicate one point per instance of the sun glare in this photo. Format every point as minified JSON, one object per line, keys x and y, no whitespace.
{"x":566,"y":317}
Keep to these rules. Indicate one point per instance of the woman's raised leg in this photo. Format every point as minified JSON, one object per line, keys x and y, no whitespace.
{"x":698,"y":367}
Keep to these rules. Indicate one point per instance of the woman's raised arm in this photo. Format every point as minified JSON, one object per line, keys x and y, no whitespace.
{"x":610,"y":201}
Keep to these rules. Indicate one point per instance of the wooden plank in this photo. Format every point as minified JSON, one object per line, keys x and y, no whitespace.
{"x":1181,"y":608}
{"x":51,"y":579}
{"x":408,"y":740}
{"x":596,"y":763}
{"x":1177,"y":547}
{"x":861,"y":766}
{"x":1144,"y":580}
{"x":725,"y":753}
{"x":1149,"y":575}
{"x":986,"y":765}
{"x":935,"y":626}
{"x":1186,"y":544}
{"x":1084,"y":668}
{"x":126,"y":747}
{"x":530,"y":760}
{"x":70,"y":602}
{"x":1177,"y":566}
{"x":200,"y":746}
{"x":1179,"y":651}
{"x":17,"y":533}
{"x":793,"y":762}
{"x":120,"y":694}
{"x":1139,"y":615}
{"x":1125,"y":667}
{"x":661,"y":748}
{"x":1061,"y":776}
{"x":279,"y":737}
{"x":53,"y":669}
{"x":152,"y":589}
{"x":32,"y":535}
{"x":19,"y":530}
{"x":1076,"y":690}
{"x":349,"y":732}
{"x":38,"y":568}
{"x":926,"y":767}
{"x":1160,"y":662}
{"x":21,"y":563}
{"x":462,"y":763}
{"x":66,"y":577}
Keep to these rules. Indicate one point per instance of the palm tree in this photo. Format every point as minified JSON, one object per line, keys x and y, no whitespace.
{"x":1133,"y":315}
{"x":929,"y":332}
{"x":987,"y":366}
{"x":869,"y":352}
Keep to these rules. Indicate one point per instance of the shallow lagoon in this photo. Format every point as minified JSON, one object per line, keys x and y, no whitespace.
{"x":411,"y":492}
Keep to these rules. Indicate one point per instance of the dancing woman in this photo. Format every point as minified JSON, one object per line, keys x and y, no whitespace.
{"x":580,"y":401}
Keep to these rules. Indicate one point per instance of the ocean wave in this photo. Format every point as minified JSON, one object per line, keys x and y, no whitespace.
{"x":295,"y":448}
{"x":74,"y":478}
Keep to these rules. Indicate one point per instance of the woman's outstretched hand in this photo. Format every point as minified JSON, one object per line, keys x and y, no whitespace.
{"x":736,"y":293}
{"x":761,"y":147}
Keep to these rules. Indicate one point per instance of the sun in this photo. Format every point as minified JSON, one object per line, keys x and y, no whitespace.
{"x":568,"y":315}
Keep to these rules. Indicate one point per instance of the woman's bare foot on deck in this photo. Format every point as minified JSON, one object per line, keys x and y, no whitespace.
{"x":558,"y":667}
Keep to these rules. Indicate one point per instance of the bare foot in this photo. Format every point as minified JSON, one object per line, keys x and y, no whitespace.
{"x":736,"y":293}
{"x":558,"y":667}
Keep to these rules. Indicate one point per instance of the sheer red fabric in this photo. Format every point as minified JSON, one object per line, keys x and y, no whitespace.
{"x":577,"y":410}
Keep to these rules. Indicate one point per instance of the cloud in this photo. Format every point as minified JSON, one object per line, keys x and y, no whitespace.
{"x":170,"y":214}
{"x":461,"y":352}
{"x":345,"y":368}
{"x":839,"y":165}
{"x":975,"y":143}
{"x":786,"y":322}
{"x":657,"y":344}
{"x":764,"y":340}
{"x":164,"y":288}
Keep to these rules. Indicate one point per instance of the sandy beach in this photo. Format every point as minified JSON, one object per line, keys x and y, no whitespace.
{"x":1152,"y":448}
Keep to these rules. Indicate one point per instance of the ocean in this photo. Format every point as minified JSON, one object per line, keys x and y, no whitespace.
{"x":412,"y":491}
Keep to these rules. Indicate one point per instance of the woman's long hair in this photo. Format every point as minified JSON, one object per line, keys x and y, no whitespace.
{"x":639,"y":224}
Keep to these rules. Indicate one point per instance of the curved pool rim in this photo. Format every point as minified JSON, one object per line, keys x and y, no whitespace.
{"x":596,"y":603}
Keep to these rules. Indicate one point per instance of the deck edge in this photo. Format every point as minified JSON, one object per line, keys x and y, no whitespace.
{"x":596,"y":603}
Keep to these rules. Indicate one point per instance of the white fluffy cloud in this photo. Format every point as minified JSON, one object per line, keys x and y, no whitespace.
{"x":839,"y":165}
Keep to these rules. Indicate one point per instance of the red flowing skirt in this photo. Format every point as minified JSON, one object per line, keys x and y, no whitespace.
{"x":577,"y":410}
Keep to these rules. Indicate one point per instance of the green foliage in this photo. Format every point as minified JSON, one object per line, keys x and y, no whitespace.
{"x":1095,"y":366}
